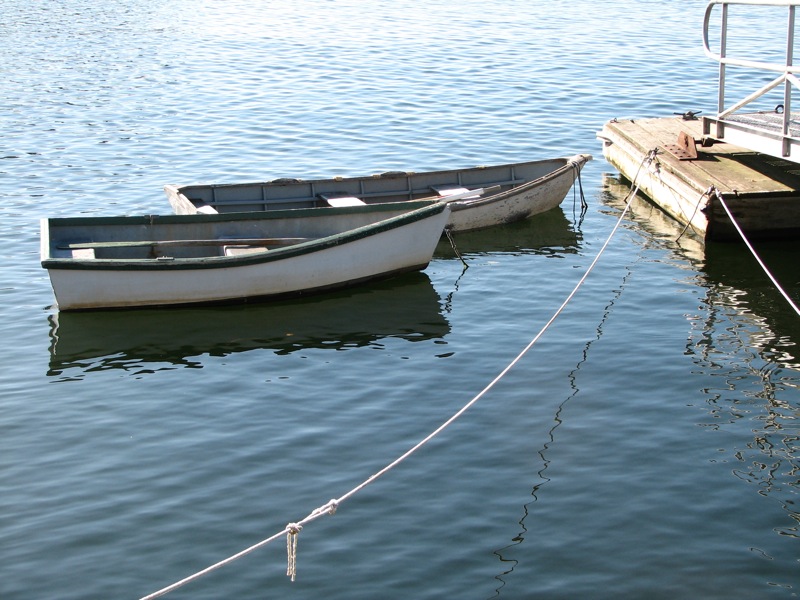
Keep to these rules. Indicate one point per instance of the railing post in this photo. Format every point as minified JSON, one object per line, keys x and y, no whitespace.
{"x":723,"y":43}
{"x":787,"y":89}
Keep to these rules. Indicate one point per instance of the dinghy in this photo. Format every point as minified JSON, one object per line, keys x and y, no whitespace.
{"x":513,"y":192}
{"x":122,"y":262}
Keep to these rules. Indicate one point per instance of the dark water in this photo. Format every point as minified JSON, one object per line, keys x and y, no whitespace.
{"x":647,"y":446}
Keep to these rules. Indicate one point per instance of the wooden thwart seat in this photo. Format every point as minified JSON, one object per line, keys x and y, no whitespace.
{"x":242,"y":250}
{"x":341,"y":200}
{"x":82,"y":253}
{"x":451,"y":190}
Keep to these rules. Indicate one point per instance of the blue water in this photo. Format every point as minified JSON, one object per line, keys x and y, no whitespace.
{"x":647,"y":446}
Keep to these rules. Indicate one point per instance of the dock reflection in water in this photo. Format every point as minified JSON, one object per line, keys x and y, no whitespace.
{"x":746,"y":346}
{"x":731,"y":276}
{"x":744,"y":342}
{"x":406,"y":307}
{"x":736,"y":281}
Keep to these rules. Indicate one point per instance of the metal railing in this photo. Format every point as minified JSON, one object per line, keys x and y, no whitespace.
{"x":786,"y":69}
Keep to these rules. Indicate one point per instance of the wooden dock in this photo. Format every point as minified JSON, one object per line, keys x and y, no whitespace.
{"x":761,"y":191}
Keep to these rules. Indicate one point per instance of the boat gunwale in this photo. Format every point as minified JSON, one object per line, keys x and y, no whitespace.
{"x":571,"y":163}
{"x":289,"y":181}
{"x":428,"y":209}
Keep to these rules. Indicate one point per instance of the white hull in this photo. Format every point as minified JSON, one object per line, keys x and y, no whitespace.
{"x":515,"y":205}
{"x":514,"y":192}
{"x":323,"y":264}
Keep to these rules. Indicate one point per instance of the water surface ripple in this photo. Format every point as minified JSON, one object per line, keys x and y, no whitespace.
{"x":646,"y":447}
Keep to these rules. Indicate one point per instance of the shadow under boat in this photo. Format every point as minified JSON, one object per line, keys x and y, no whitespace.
{"x":729,"y":272}
{"x":544,"y":233}
{"x":406,"y":307}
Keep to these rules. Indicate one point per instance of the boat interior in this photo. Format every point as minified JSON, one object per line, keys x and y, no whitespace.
{"x":203,"y":236}
{"x":387,"y":187}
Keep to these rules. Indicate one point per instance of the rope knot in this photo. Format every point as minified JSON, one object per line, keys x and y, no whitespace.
{"x":294,"y":528}
{"x":291,"y":549}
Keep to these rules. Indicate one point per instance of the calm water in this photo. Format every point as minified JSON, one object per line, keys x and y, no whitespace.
{"x":647,"y":446}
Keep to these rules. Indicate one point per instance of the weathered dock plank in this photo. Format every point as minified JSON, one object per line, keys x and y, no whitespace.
{"x":762,"y":191}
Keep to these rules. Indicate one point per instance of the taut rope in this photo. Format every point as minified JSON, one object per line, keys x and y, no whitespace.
{"x":291,"y":531}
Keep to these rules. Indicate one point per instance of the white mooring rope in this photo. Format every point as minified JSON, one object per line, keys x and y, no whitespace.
{"x":292,"y":530}
{"x":694,"y":212}
{"x":774,"y":281}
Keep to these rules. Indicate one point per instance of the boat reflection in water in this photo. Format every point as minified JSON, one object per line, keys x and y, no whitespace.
{"x":547,"y":233}
{"x":406,"y":307}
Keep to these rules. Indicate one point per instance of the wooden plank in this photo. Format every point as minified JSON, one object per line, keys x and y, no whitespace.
{"x":649,"y":134}
{"x":467,"y":194}
{"x":729,"y":168}
{"x":341,"y":201}
{"x":449,"y":191}
{"x":763,"y":192}
{"x":769,"y":174}
{"x":242,"y":250}
{"x":83,"y":253}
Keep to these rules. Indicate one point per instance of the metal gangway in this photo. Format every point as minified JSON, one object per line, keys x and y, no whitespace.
{"x":775,"y":132}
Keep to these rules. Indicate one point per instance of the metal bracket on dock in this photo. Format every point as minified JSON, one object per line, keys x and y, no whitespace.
{"x":685,"y":149}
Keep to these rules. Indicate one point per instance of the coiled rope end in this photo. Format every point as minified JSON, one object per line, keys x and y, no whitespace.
{"x":293,"y":529}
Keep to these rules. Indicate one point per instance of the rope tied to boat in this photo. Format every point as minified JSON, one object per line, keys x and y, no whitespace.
{"x":576,"y":166}
{"x":449,"y":233}
{"x":293,"y":529}
{"x":291,"y":549}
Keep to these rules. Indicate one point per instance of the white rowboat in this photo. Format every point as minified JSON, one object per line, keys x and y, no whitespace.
{"x":513,"y":192}
{"x":119,"y":262}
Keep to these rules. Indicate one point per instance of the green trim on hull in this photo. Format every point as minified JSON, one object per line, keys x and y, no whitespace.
{"x":426,"y":210}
